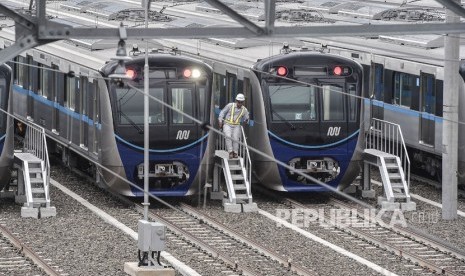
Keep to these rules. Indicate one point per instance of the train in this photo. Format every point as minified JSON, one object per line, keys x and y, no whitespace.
{"x":307,"y":110}
{"x":6,"y":126}
{"x":328,"y":150}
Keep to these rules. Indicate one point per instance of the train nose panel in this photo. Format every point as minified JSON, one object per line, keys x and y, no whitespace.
{"x":324,"y":169}
{"x":163,"y":175}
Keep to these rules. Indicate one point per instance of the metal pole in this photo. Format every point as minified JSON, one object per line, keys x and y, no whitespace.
{"x":450,"y":126}
{"x":146,"y":120}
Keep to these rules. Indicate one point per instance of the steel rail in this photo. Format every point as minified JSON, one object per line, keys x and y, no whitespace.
{"x":206,"y":247}
{"x":409,"y":233}
{"x":374,"y":240}
{"x":29,"y":253}
{"x":236,"y":235}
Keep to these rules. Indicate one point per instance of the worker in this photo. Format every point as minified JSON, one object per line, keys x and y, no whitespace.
{"x":230,"y":119}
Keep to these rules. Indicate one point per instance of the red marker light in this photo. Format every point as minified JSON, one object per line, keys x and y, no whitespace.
{"x":130,"y":73}
{"x":282,"y":71}
{"x":337,"y":70}
{"x":187,"y":73}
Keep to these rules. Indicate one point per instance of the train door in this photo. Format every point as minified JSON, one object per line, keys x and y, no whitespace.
{"x":182,"y":97}
{"x":84,"y":122}
{"x":427,"y":109}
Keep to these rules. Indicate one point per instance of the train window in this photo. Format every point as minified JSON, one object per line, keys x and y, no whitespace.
{"x":84,"y":88}
{"x":333,"y":103}
{"x":72,"y":86}
{"x":181,"y":99}
{"x":352,"y":102}
{"x":232,"y":86}
{"x":293,"y":102}
{"x":129,"y":106}
{"x":428,"y":93}
{"x":45,"y":81}
{"x":20,"y":71}
{"x":404,"y":86}
{"x":202,"y":102}
{"x":219,"y":88}
{"x":378,"y":83}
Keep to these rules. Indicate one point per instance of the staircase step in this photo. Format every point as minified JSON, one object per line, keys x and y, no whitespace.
{"x":37,"y":190}
{"x":39,"y":200}
{"x":400,"y":196}
{"x":397,"y":185}
{"x":37,"y":180}
{"x":240,"y":187}
{"x":35,"y":170}
{"x":237,"y":177}
{"x":394,"y":176}
{"x":392,"y":165}
{"x":235,"y":168}
{"x":242,"y":196}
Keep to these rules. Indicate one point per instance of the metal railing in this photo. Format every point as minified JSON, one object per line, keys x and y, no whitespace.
{"x":35,"y":143}
{"x":243,"y":152}
{"x":387,"y":137}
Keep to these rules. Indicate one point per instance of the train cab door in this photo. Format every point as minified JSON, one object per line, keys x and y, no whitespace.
{"x":427,"y":109}
{"x":182,"y":130}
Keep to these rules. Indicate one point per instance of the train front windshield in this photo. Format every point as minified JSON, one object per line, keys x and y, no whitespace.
{"x":295,"y":102}
{"x":129,"y":102}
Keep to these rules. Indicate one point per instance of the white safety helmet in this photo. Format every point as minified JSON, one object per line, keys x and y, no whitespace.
{"x":240,"y":97}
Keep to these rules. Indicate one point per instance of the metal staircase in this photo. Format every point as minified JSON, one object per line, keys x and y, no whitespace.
{"x":33,"y":167}
{"x":385,"y":148}
{"x":235,"y":174}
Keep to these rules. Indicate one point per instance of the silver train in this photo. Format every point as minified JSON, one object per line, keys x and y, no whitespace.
{"x":403,"y":75}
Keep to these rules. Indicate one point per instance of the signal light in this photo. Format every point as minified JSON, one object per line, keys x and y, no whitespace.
{"x":130,"y":73}
{"x":187,"y":73}
{"x":337,"y":70}
{"x":281,"y":71}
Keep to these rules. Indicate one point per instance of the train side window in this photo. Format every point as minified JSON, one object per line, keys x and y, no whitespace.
{"x":352,"y":102}
{"x":333,"y":103}
{"x":404,"y":87}
{"x":428,"y":93}
{"x":378,"y":82}
{"x":232,"y":86}
{"x":20,"y":71}
{"x":202,"y":102}
{"x":83,"y":97}
{"x":181,"y":99}
{"x":45,"y":80}
{"x":220,"y":81}
{"x":72,"y":86}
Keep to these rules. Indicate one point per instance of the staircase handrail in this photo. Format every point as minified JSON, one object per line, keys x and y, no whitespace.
{"x":386,"y":137}
{"x":244,"y":149}
{"x":35,"y":142}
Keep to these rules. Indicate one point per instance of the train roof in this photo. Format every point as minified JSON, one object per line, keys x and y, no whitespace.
{"x":244,"y":52}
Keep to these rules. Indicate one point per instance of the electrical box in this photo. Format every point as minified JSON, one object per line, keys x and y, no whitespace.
{"x":151,"y":236}
{"x":157,"y":242}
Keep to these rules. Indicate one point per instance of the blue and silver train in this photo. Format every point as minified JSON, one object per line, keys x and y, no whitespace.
{"x":306,"y":108}
{"x":6,"y":127}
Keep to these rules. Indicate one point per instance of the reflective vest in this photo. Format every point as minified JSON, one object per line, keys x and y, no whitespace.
{"x":231,"y":120}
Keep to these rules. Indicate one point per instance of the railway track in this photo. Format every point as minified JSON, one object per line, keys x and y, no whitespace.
{"x":239,"y":253}
{"x":18,"y":259}
{"x":428,"y":254}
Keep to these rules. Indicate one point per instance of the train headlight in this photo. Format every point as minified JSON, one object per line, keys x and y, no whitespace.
{"x":196,"y":73}
{"x":187,"y":73}
{"x":337,"y":70}
{"x":130,"y":73}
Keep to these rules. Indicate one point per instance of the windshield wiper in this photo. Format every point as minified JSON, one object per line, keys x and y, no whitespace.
{"x":140,"y":130}
{"x":292,"y":126}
